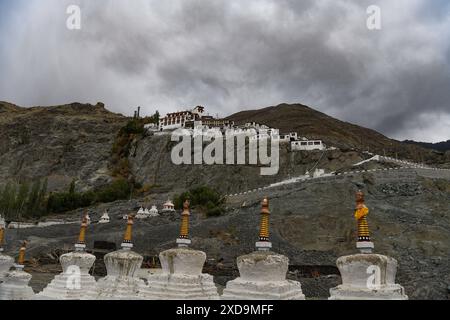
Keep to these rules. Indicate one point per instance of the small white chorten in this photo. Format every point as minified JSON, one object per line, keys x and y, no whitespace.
{"x":121,"y":282}
{"x":141,"y":214}
{"x":15,"y":283}
{"x":263,"y":272}
{"x":366,"y":276}
{"x":104,"y":218}
{"x":75,"y":282}
{"x":181,"y":277}
{"x":168,"y":207}
{"x":153,"y":212}
{"x":6,"y":262}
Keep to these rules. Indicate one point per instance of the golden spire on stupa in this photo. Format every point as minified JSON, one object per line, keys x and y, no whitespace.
{"x":2,"y":232}
{"x":21,"y":258}
{"x":2,"y":237}
{"x":361,"y":212}
{"x":81,"y":243}
{"x":264,"y":242}
{"x":127,"y":238}
{"x":183,"y":240}
{"x":82,"y":235}
{"x":264,"y":226}
{"x":184,"y":230}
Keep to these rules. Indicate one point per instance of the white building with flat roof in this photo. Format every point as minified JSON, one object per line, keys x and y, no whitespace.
{"x":307,"y":145}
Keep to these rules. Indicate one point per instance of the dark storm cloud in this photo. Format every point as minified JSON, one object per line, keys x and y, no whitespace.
{"x":229,"y":55}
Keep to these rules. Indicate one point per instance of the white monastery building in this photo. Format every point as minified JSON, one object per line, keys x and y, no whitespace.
{"x":191,"y":119}
{"x":307,"y":145}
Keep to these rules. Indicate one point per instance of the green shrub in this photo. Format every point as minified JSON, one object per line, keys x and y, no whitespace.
{"x":66,"y":201}
{"x":117,"y":190}
{"x":133,"y":126}
{"x":208,"y":200}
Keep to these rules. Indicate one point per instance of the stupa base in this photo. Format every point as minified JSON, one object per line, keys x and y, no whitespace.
{"x":179,"y":287}
{"x":263,"y":277}
{"x":121,"y":282}
{"x":6,"y":262}
{"x":389,"y":292}
{"x":367,"y":277}
{"x":119,"y":288}
{"x":63,"y":287}
{"x":181,"y":277}
{"x":240,"y":289}
{"x":15,"y":286}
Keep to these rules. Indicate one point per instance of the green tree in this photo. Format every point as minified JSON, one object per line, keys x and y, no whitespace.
{"x":8,"y":199}
{"x":21,"y":199}
{"x":156,"y":117}
{"x":42,"y":205}
{"x":207,"y":199}
{"x":32,"y":204}
{"x":72,"y":187}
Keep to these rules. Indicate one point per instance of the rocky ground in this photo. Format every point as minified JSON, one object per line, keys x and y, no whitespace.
{"x":311,"y":222}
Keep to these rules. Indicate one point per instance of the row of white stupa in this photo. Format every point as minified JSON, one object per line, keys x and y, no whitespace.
{"x":142,"y":213}
{"x":262,"y":274}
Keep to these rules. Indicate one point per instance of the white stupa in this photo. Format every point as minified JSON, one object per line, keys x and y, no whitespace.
{"x":141,"y":214}
{"x":15,"y":283}
{"x":104,"y":218}
{"x":121,"y":282}
{"x":6,"y":262}
{"x":75,"y":282}
{"x":181,"y":277}
{"x":153,"y":212}
{"x":366,"y":276}
{"x":263,"y":273}
{"x":168,"y":207}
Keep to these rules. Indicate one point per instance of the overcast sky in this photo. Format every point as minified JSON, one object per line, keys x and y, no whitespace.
{"x":230,"y":55}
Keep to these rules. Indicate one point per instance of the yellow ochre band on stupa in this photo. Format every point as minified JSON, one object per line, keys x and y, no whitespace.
{"x":21,"y":258}
{"x":2,"y":236}
{"x":264,"y":226}
{"x":361,"y":213}
{"x":82,"y":235}
{"x":129,"y":230}
{"x":184,"y":230}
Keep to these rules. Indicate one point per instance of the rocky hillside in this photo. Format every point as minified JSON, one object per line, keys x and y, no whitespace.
{"x":151,"y":165}
{"x":317,"y":125}
{"x":75,"y":141}
{"x":61,"y":143}
{"x":442,"y":146}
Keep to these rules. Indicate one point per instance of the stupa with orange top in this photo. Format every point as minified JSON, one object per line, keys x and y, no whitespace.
{"x":121,"y":282}
{"x":181,"y":277}
{"x":263,"y":272}
{"x":366,"y":276}
{"x":15,"y":283}
{"x":75,"y":282}
{"x":6,"y":262}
